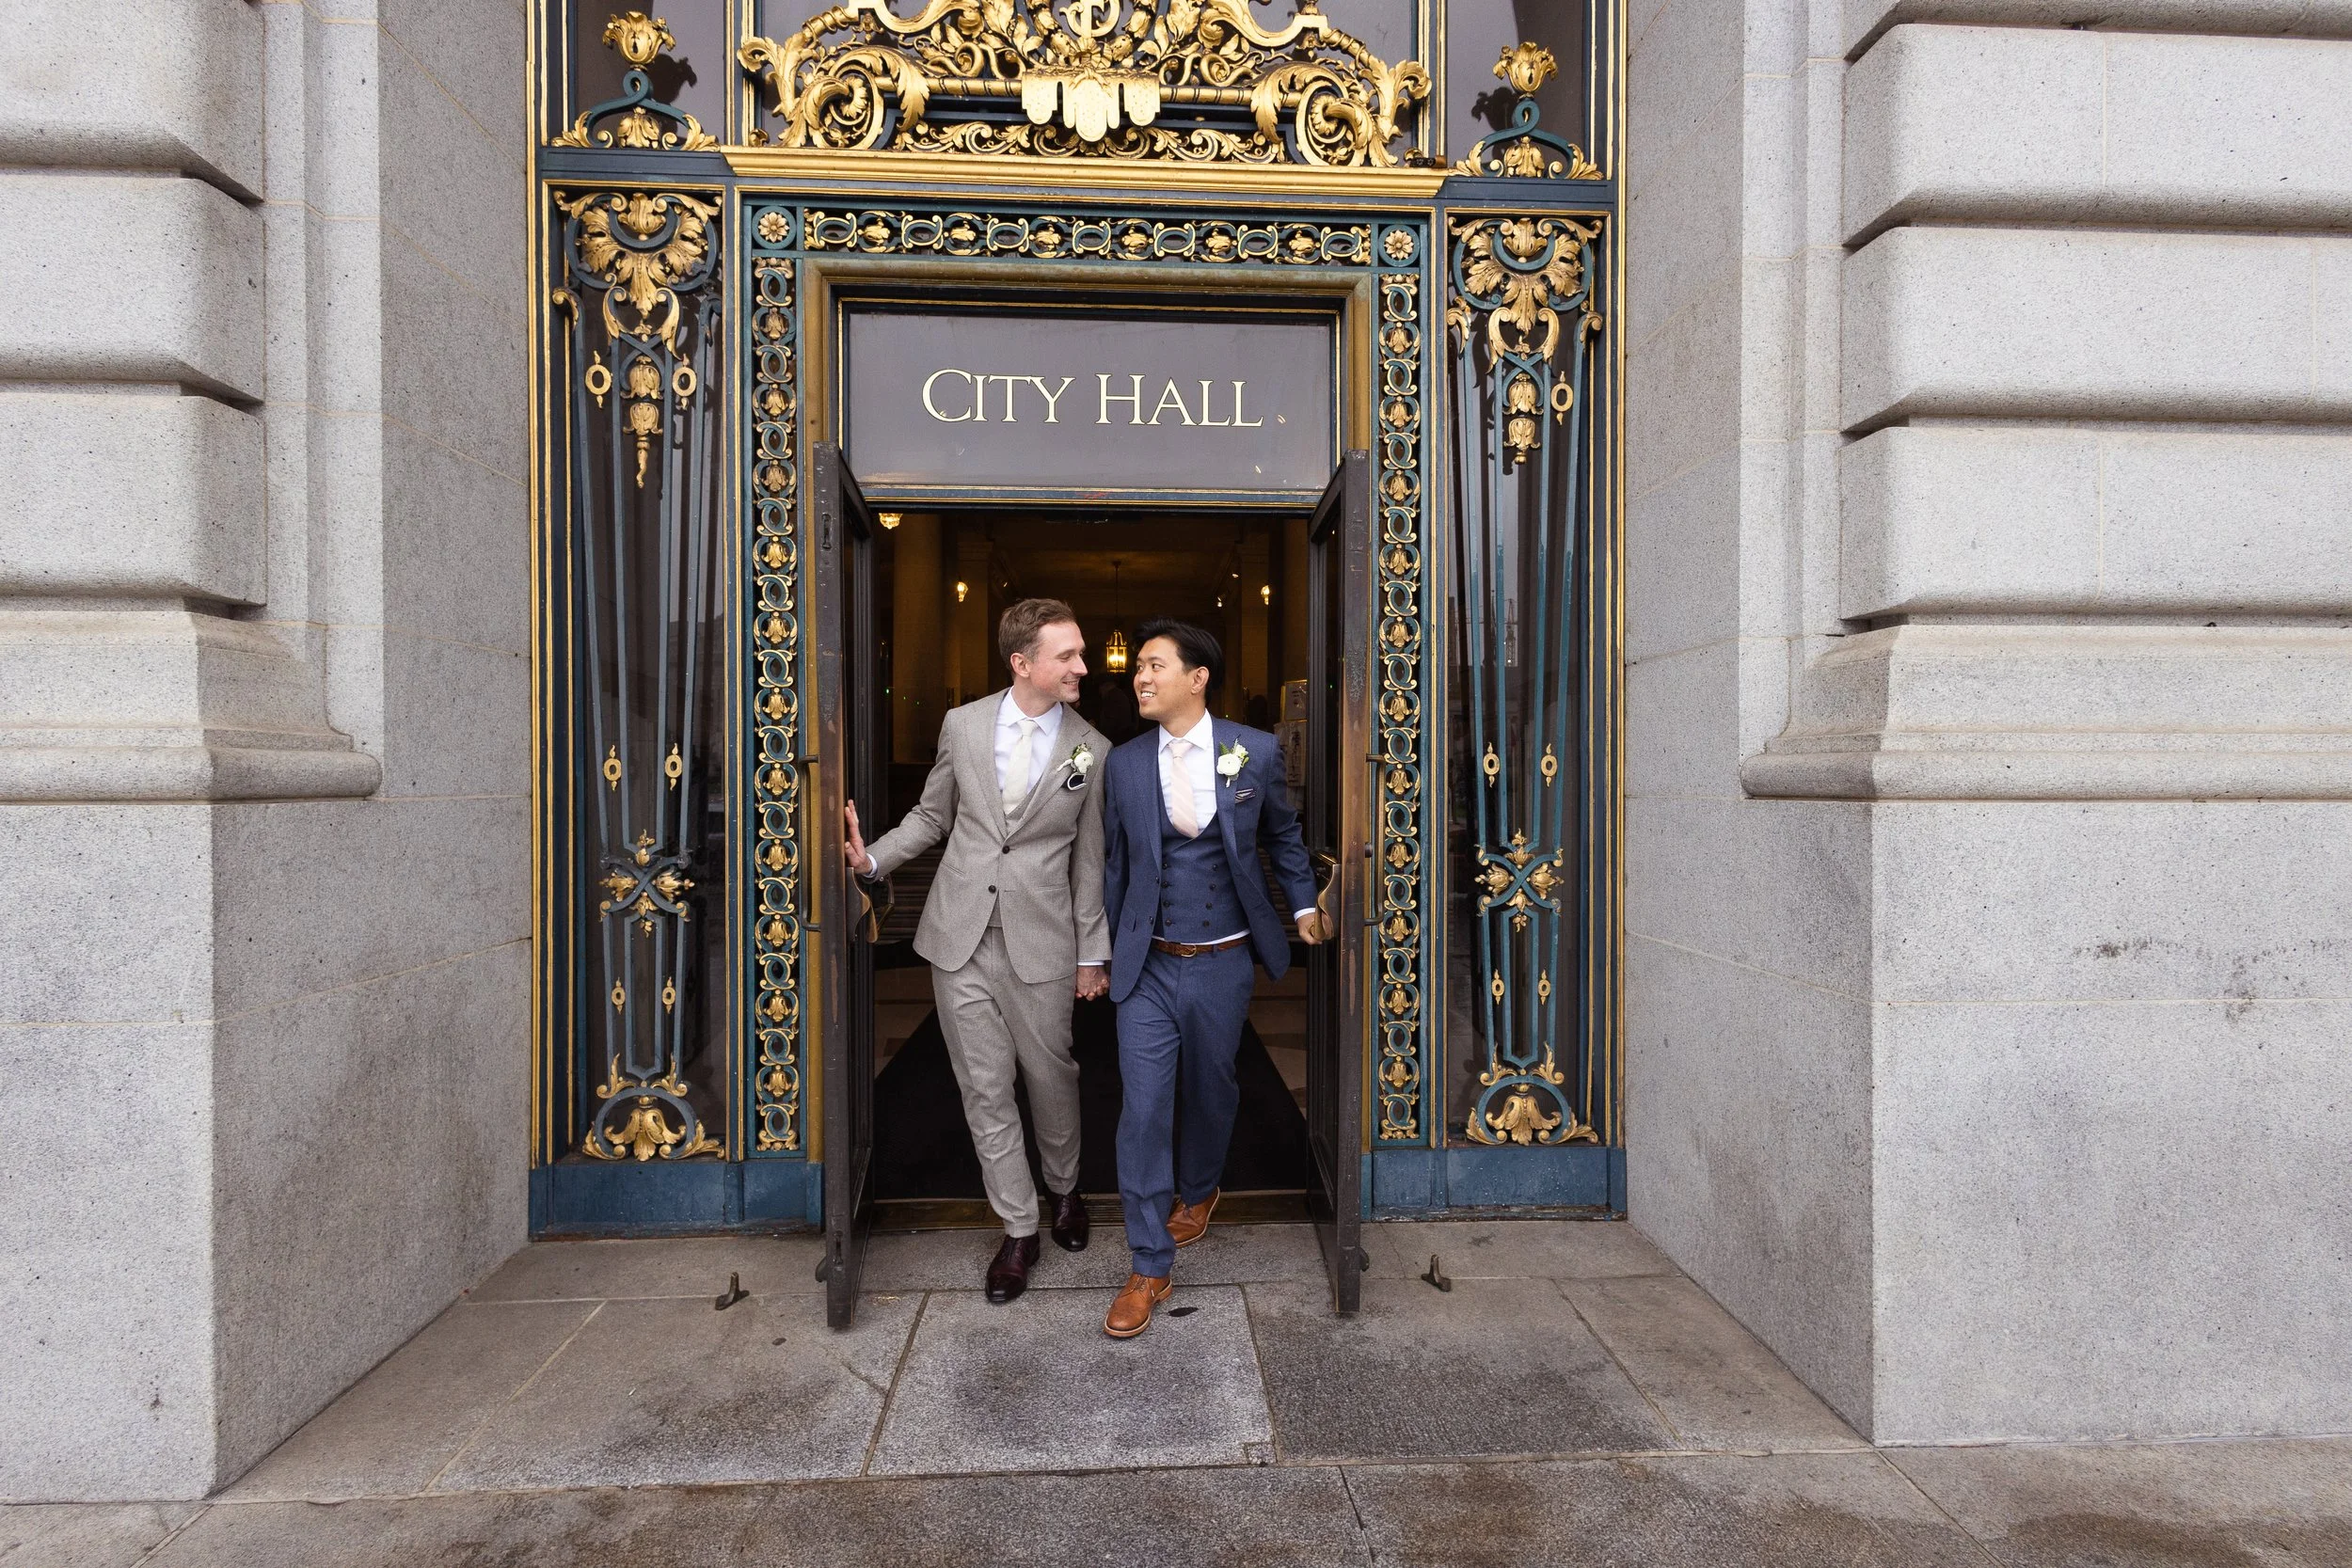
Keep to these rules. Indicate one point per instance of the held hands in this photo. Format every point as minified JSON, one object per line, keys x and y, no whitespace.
{"x":853,"y":847}
{"x":1094,"y":981}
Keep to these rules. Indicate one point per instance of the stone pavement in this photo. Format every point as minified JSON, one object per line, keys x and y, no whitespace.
{"x":1571,"y":1400}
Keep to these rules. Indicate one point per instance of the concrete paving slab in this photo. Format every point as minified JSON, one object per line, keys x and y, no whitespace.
{"x":2236,"y":1504}
{"x":957,"y":1259}
{"x":1493,"y":1367}
{"x":901,"y":1261}
{"x":1697,"y":1511}
{"x":1038,"y":1386}
{"x":86,"y":1535}
{"x":1260,"y":1517}
{"x":682,"y":1266}
{"x":649,"y":1527}
{"x":653,"y":1393}
{"x":1513,"y":1249}
{"x":1715,"y":1383}
{"x":393,"y":1431}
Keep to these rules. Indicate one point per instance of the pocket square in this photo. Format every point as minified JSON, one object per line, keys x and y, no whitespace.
{"x":1241,"y":795}
{"x":1075,"y":781}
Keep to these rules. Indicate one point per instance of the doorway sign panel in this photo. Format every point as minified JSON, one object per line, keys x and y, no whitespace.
{"x":1091,"y":404}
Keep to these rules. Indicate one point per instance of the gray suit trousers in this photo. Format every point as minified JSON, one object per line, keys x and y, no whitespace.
{"x":996,"y":1021}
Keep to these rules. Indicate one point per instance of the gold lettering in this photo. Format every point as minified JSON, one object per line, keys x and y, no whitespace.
{"x":1132,"y":400}
{"x":1009,"y":381}
{"x":1214,"y":424}
{"x":1053,"y":397}
{"x":933,"y":409}
{"x":1172,"y":395}
{"x":1245,"y":424}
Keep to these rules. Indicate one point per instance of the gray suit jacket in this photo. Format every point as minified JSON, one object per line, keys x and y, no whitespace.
{"x":1045,"y":871}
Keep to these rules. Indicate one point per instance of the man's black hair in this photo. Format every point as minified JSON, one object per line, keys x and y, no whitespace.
{"x":1195,"y":648}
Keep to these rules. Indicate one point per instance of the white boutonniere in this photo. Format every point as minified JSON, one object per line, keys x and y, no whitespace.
{"x":1080,"y":761}
{"x":1231,"y":760}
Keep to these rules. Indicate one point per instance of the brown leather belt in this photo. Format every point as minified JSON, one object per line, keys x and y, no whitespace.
{"x":1194,"y":949}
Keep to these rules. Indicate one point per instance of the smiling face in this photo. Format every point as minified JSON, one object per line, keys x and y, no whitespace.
{"x":1167,"y":692}
{"x":1053,"y":668}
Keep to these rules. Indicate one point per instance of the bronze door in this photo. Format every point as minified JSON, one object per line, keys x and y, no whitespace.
{"x":848,"y":766}
{"x":1339,"y":838}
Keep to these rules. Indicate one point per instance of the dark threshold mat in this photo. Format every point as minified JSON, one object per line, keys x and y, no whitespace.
{"x":922,"y":1148}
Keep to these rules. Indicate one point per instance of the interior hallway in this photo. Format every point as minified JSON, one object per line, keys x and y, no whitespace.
{"x":1571,"y":1399}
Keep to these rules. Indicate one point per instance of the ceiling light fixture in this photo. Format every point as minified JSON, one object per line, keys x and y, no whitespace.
{"x":1115,"y":646}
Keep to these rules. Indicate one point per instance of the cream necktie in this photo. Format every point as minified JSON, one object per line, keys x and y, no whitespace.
{"x":1177,"y":784}
{"x":1017,"y":771}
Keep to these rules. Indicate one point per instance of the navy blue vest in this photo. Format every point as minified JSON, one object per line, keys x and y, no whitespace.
{"x":1197,"y":899}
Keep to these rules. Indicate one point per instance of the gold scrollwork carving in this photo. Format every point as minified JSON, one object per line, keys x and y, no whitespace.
{"x":1521,"y":150}
{"x":1399,"y":1030}
{"x":775,"y":568}
{"x":645,"y":122}
{"x":1517,"y":275}
{"x":1091,"y":78}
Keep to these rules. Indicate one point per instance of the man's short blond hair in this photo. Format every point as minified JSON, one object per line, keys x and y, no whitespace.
{"x":1025,"y":622}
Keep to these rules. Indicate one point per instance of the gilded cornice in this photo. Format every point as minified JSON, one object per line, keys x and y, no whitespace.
{"x":803,"y":166}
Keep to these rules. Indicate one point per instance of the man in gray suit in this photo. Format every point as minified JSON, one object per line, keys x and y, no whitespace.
{"x":1013,"y":928}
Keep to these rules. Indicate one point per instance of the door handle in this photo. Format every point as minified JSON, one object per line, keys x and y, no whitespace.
{"x":1329,"y":921}
{"x":804,"y":892}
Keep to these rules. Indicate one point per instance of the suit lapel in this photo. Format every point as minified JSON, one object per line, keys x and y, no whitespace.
{"x":1224,"y":795}
{"x":1048,"y":766}
{"x":983,"y":754}
{"x":1149,"y":803}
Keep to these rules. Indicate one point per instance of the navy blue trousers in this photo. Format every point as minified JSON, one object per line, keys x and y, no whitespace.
{"x":1179,"y":1031}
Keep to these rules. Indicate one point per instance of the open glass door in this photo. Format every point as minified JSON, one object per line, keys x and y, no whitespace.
{"x":1338,"y":832}
{"x":848,"y":766}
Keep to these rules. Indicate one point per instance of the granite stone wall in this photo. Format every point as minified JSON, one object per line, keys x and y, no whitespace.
{"x":263,"y":712}
{"x":1991,"y":417}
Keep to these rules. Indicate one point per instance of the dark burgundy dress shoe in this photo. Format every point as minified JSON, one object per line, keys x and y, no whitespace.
{"x":1009,"y":1271}
{"x":1071,"y":1224}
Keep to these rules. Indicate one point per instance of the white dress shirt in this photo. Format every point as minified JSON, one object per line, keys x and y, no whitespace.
{"x":1199,"y":766}
{"x":1041,"y":757}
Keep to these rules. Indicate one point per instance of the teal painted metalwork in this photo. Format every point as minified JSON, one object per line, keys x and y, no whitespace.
{"x":771,"y":572}
{"x":642,"y":303}
{"x":1522,"y":316}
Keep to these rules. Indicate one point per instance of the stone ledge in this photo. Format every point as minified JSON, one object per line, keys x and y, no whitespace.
{"x":174,"y":771}
{"x":2024,"y":125}
{"x":1866,"y":20}
{"x":1914,"y":768}
{"x":2069,"y":712}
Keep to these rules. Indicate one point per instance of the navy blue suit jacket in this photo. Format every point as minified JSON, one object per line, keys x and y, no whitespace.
{"x":1252,"y":809}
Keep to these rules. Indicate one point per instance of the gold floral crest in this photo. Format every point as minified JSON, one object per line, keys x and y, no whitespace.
{"x":1195,"y":81}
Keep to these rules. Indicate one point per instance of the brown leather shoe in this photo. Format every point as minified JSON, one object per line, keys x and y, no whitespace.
{"x":1131,"y":1310}
{"x":1009,"y":1271}
{"x":1071,"y":1224}
{"x":1188,"y":1222}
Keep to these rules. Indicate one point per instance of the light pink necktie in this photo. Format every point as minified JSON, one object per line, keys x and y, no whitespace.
{"x":1179,"y":790}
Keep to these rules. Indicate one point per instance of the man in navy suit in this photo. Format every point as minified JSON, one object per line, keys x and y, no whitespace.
{"x":1186,"y":806}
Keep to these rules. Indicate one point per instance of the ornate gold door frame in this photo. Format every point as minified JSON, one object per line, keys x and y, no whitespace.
{"x":1374,"y":267}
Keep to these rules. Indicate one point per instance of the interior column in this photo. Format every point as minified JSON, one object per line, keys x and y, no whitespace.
{"x":918,"y":695}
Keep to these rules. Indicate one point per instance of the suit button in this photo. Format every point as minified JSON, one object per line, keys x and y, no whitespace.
{"x":1006,"y":851}
{"x":991,"y":887}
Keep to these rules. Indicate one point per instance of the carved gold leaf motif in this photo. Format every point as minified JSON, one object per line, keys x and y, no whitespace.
{"x":1088,"y":82}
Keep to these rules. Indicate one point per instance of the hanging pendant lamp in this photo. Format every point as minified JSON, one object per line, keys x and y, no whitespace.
{"x":1115,"y":646}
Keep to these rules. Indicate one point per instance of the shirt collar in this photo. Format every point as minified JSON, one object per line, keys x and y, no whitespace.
{"x":1009,"y":714}
{"x":1202,"y":735}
